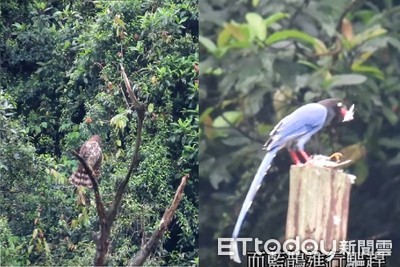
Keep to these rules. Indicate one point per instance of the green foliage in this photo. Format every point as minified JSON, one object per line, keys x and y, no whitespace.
{"x":261,"y":61}
{"x":61,"y":83}
{"x":11,"y":246}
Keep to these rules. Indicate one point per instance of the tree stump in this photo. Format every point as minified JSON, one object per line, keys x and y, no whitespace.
{"x":318,"y":204}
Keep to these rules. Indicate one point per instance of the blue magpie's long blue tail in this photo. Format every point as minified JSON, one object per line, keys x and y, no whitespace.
{"x":257,"y":180}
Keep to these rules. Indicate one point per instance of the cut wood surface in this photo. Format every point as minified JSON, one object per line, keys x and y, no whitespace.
{"x":318,"y":204}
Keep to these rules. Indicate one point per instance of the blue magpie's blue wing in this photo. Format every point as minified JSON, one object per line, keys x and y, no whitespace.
{"x":298,"y":126}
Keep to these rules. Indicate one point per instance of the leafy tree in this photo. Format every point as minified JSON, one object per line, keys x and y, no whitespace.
{"x":61,"y":82}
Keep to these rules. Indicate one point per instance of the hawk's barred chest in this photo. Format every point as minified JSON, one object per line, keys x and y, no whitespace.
{"x":91,"y":152}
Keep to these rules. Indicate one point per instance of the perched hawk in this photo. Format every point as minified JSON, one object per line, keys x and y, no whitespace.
{"x":91,"y":152}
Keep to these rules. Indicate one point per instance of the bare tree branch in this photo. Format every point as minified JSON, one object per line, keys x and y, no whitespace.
{"x":138,"y":106}
{"x":166,"y":219}
{"x":102,"y":240}
{"x":140,"y":109}
{"x":106,"y":219}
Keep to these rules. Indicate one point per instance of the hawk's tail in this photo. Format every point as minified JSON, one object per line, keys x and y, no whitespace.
{"x":80,"y":177}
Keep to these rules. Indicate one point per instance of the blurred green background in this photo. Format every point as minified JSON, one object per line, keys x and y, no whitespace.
{"x":259,"y":60}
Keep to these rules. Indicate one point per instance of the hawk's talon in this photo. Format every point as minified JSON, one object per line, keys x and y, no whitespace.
{"x":336,"y":156}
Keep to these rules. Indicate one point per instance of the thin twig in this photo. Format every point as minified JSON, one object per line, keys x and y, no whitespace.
{"x":297,"y":12}
{"x":350,"y":7}
{"x":245,"y":134}
{"x":125,"y":99}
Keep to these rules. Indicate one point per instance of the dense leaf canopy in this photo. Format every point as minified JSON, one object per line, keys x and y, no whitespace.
{"x":61,"y":83}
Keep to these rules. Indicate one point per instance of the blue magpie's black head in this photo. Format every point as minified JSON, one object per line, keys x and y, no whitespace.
{"x":337,"y":111}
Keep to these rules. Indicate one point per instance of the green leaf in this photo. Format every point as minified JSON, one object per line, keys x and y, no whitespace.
{"x":358,"y":66}
{"x":256,"y":25}
{"x":119,"y":121}
{"x":67,"y":44}
{"x":234,"y":35}
{"x":118,"y":142}
{"x":37,"y":130}
{"x":241,"y":32}
{"x":309,"y":64}
{"x":30,"y":249}
{"x":17,"y":25}
{"x":150,"y":107}
{"x":220,"y":174}
{"x":346,"y":79}
{"x":228,"y":118}
{"x":236,"y":141}
{"x":74,"y":223}
{"x":274,"y":18}
{"x":298,"y":35}
{"x":394,"y":42}
{"x":361,"y":171}
{"x":35,"y":232}
{"x":390,"y":115}
{"x":208,"y":44}
{"x":390,"y":142}
{"x":368,"y":69}
{"x":367,"y":35}
{"x":46,"y":247}
{"x":287,"y":34}
{"x":223,"y":37}
{"x":255,"y":3}
{"x":206,"y":113}
{"x":73,"y":135}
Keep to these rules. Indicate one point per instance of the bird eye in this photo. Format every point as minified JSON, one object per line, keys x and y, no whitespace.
{"x":339,"y":104}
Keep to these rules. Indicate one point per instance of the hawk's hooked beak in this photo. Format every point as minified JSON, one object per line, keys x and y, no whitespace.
{"x":348,"y":115}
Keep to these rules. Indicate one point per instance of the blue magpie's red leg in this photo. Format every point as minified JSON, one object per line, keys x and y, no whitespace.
{"x":304,"y":155}
{"x":294,"y":157}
